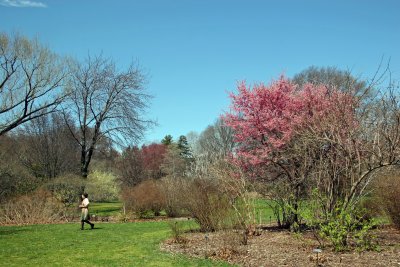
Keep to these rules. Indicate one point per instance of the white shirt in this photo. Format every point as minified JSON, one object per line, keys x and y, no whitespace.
{"x":85,"y":203}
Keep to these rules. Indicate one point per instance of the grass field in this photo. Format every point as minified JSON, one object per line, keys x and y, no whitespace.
{"x":263,"y":211}
{"x":109,"y":244}
{"x":105,"y":208}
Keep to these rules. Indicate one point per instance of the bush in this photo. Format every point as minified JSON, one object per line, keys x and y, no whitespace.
{"x":343,"y":228}
{"x":101,"y":186}
{"x":67,"y":189}
{"x":177,"y":230}
{"x":387,"y":195}
{"x":144,"y":198}
{"x":173,"y":189}
{"x":36,"y":208}
{"x":207,"y":205}
{"x":15,"y":179}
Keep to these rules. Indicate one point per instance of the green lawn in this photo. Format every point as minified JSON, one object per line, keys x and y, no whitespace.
{"x":109,"y":244}
{"x":263,"y":212}
{"x":105,"y":208}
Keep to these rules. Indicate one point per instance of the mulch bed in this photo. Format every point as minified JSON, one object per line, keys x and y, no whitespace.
{"x":273,"y":247}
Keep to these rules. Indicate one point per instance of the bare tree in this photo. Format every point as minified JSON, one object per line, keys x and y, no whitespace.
{"x":216,"y":142}
{"x":31,"y":80}
{"x":130,"y":167}
{"x":217,"y":139}
{"x":106,"y":102}
{"x":15,"y":179}
{"x":174,"y":165}
{"x":46,"y":147}
{"x":331,"y":77}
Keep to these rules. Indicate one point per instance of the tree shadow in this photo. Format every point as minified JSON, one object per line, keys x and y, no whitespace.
{"x":95,"y":228}
{"x":12,"y":231}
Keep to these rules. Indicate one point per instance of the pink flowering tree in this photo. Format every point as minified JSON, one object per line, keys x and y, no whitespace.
{"x":283,"y":132}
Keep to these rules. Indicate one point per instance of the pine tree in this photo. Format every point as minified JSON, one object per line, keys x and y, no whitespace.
{"x":183,"y":146}
{"x":167,"y":140}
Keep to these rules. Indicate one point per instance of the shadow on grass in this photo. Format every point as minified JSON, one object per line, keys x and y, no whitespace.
{"x":12,"y":231}
{"x":95,"y":228}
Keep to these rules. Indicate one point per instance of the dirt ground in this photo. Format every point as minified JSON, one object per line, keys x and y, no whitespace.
{"x":273,"y":247}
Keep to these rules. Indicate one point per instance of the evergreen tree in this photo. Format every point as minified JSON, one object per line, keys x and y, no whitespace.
{"x":184,"y":148}
{"x":167,"y":140}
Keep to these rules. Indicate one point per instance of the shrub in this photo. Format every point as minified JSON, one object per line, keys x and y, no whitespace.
{"x":177,"y":229}
{"x":173,"y":189}
{"x":34,"y":208}
{"x":101,"y":186}
{"x":15,"y":179}
{"x":343,"y":228}
{"x":67,"y":189}
{"x":207,"y":205}
{"x":144,"y":198}
{"x":387,"y":195}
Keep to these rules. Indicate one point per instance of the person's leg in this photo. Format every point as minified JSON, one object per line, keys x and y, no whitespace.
{"x":91,"y":224}
{"x":82,"y":223}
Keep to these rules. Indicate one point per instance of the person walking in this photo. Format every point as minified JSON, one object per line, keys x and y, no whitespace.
{"x":85,"y":211}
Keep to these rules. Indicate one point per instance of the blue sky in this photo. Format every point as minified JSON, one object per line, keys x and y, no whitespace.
{"x":195,"y":51}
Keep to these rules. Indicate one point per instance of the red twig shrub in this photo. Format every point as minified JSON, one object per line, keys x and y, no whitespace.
{"x":38,"y":207}
{"x":143,"y":198}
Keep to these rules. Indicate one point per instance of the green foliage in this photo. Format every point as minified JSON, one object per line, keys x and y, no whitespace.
{"x":337,"y":230}
{"x":364,"y":236}
{"x":343,"y":228}
{"x":345,"y":225}
{"x":184,"y":148}
{"x":102,"y":186}
{"x":167,"y":140}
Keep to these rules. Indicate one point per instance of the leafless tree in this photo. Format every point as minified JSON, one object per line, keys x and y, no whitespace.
{"x":46,"y":147}
{"x":15,"y":179}
{"x":106,"y":102}
{"x":217,"y":139}
{"x":174,"y":165}
{"x":31,"y":81}
{"x":130,"y":168}
{"x":216,"y":142}
{"x":331,"y":77}
{"x":347,"y":159}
